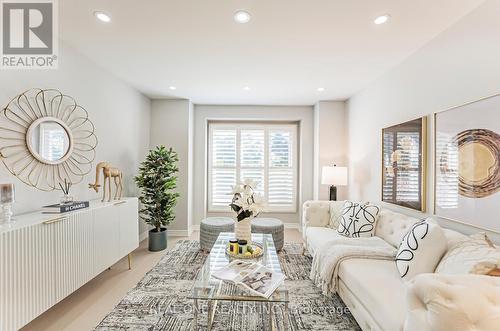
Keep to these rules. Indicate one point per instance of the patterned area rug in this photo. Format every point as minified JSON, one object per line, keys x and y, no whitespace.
{"x":159,"y":301}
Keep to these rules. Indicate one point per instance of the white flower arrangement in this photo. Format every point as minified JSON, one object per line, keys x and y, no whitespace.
{"x":246,"y":203}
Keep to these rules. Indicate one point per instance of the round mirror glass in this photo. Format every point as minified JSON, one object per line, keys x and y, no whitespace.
{"x":49,"y":140}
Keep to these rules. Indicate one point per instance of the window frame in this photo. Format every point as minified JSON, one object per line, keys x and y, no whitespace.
{"x":292,"y":127}
{"x":419,"y":126}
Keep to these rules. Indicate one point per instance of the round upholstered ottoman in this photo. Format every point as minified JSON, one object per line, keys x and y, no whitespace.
{"x":270,"y":226}
{"x":211,"y":227}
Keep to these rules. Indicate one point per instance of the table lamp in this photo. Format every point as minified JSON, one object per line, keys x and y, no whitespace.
{"x":334,"y":176}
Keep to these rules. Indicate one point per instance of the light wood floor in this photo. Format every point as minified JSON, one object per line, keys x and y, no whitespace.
{"x":86,"y":307}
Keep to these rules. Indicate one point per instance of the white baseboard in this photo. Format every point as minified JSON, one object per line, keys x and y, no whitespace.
{"x":143,"y":236}
{"x":178,"y":233}
{"x":291,"y":225}
{"x":171,"y":233}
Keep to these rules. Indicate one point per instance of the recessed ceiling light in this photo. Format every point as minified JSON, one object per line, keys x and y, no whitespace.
{"x":242,"y":16}
{"x":321,"y":89}
{"x":103,"y":17}
{"x":173,"y":88}
{"x":382,"y":19}
{"x":246,"y":88}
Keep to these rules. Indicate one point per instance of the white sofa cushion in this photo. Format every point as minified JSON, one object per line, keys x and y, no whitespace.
{"x":421,"y":249}
{"x":358,"y":220}
{"x":453,"y":238}
{"x":392,"y":227}
{"x":474,"y":255}
{"x":318,"y":236}
{"x":378,"y":286}
{"x":449,"y":302}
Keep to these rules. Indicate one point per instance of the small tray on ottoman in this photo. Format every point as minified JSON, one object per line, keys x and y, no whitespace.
{"x":258,"y":251}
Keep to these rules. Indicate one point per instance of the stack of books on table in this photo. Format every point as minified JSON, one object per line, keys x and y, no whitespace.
{"x":65,"y":208}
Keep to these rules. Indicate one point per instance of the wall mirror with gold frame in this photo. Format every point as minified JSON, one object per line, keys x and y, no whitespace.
{"x":46,"y":138}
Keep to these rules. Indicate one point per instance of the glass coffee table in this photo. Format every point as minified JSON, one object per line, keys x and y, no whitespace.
{"x":212,"y":290}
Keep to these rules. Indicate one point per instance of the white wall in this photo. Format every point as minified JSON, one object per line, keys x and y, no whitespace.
{"x":171,"y":126}
{"x":330,"y":144}
{"x":459,"y":65}
{"x":202,"y":114}
{"x":121,"y":116}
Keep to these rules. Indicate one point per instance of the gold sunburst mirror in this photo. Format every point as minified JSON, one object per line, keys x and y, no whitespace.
{"x":46,"y":138}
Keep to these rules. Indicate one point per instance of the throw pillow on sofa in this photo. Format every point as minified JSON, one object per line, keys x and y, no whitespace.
{"x":474,"y":255}
{"x":336,"y":208}
{"x":358,"y":219}
{"x":421,"y":250}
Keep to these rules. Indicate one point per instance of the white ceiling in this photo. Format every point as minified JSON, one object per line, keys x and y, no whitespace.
{"x":288,"y":49}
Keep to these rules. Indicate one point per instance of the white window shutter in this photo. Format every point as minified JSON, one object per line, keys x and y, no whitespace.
{"x":224,"y":148}
{"x":222,"y":182}
{"x":282,"y":182}
{"x":223,"y":167}
{"x":252,"y":157}
{"x":264,"y":153}
{"x":252,"y":148}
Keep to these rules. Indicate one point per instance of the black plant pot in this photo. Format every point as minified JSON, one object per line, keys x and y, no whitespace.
{"x":157,"y":240}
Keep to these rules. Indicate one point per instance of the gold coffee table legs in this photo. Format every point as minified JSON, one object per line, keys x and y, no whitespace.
{"x":212,"y":306}
{"x":195,"y":314}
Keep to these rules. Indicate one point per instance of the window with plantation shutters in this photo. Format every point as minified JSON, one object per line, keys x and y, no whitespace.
{"x":265,"y":153}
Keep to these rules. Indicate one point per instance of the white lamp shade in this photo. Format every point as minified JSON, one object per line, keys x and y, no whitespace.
{"x":334,"y":176}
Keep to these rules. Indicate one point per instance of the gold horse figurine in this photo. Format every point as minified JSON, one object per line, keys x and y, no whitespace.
{"x":108,"y":172}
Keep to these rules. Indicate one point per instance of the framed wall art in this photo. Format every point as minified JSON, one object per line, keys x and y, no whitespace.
{"x":404,"y":148}
{"x":467,"y":163}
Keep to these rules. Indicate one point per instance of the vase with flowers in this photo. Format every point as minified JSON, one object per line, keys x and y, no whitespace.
{"x":246,"y":204}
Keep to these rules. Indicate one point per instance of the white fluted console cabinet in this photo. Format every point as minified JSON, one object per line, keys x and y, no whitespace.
{"x":44,"y":258}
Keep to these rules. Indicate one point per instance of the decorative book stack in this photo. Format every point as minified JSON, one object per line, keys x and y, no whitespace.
{"x":64,"y":208}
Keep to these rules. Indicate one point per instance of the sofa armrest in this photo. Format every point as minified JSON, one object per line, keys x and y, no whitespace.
{"x":315,"y":213}
{"x":453,"y":302}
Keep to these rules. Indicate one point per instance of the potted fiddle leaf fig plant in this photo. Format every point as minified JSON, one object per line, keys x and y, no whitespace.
{"x":157,"y":180}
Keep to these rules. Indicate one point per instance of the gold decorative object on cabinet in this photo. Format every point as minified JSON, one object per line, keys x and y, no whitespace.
{"x":108,"y":172}
{"x":46,"y":138}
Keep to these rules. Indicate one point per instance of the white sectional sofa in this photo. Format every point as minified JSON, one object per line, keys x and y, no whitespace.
{"x":381,"y":301}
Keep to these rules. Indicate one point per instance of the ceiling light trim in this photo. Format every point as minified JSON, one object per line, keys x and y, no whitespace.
{"x":382,"y":19}
{"x":102,"y":16}
{"x":242,"y":17}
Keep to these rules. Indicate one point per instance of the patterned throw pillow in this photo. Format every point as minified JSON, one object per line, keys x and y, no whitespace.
{"x":420,"y":250}
{"x":357,"y":219}
{"x":336,"y":208}
{"x":474,"y":255}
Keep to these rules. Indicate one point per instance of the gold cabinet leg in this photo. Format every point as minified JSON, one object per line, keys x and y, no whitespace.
{"x":129,"y":261}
